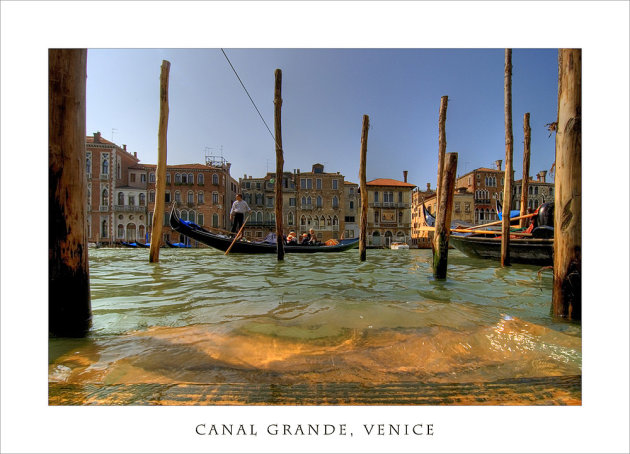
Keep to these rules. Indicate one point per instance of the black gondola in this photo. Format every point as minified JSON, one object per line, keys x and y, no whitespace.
{"x":135,"y":244}
{"x":176,"y":245}
{"x":533,"y":251}
{"x":223,"y":242}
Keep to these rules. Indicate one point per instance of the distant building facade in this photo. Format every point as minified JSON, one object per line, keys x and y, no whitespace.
{"x":389,"y":211}
{"x":352,"y":202}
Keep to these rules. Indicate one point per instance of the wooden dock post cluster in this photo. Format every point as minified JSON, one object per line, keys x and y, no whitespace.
{"x":69,"y":308}
{"x":527,"y":131}
{"x":567,"y":249}
{"x":160,"y":174}
{"x":363,"y":189}
{"x":277,"y":101}
{"x":509,"y":152}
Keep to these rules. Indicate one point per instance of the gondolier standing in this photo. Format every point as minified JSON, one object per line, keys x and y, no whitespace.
{"x":237,"y":213}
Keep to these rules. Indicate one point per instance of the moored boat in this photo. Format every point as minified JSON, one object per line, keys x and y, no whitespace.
{"x":176,"y":245}
{"x":398,"y":245}
{"x":223,"y":242}
{"x":533,"y":251}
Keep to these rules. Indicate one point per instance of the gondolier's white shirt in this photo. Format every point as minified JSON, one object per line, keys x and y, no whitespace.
{"x":240,"y":207}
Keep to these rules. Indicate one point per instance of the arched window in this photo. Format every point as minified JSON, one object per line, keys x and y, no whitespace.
{"x":303,"y":220}
{"x":191,"y":178}
{"x":259,"y":216}
{"x":121,"y":198}
{"x":104,"y":164}
{"x":335,"y":220}
{"x":319,"y":201}
{"x":322,"y":222}
{"x":141,"y":232}
{"x":104,"y":228}
{"x":152,"y":177}
{"x":290,"y":219}
{"x":178,"y":196}
{"x":200,"y":178}
{"x":132,"y":200}
{"x":184,"y":215}
{"x":121,"y":231}
{"x":178,"y":178}
{"x":184,"y":178}
{"x":309,"y":221}
{"x":335,"y":202}
{"x":104,"y":198}
{"x":303,"y":200}
{"x":200,"y":218}
{"x":168,"y":178}
{"x":190,"y":197}
{"x":215,"y":179}
{"x":142,"y":199}
{"x":215,"y":220}
{"x":200,"y":197}
{"x":329,"y":221}
{"x":309,"y":200}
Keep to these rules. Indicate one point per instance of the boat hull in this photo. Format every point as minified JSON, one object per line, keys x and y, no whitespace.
{"x":223,"y":242}
{"x":532,"y":251}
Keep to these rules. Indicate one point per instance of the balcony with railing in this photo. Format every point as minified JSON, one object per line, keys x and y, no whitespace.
{"x":130,"y":208}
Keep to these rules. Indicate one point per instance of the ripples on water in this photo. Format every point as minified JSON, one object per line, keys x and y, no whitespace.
{"x":198,"y":316}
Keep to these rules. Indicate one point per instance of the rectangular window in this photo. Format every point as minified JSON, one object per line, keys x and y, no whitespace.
{"x":467,"y":207}
{"x":215,"y":198}
{"x":457,"y":207}
{"x":152,"y":177}
{"x":334,"y":184}
{"x":168,"y":178}
{"x":291,"y":201}
{"x":132,"y":177}
{"x":200,"y":198}
{"x":152,"y":197}
{"x":400,"y":197}
{"x":375,"y":197}
{"x":167,"y":197}
{"x":143,"y":178}
{"x":270,"y":202}
{"x":306,"y":183}
{"x":318,"y":183}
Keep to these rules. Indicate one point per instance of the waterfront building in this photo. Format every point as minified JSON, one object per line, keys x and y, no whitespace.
{"x":352,"y":202}
{"x":389,"y":211}
{"x":420,"y":238}
{"x":310,"y":200}
{"x":539,"y":191}
{"x":201,"y":193}
{"x":116,"y":193}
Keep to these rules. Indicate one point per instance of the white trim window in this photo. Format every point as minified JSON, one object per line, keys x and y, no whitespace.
{"x":200,"y":198}
{"x":200,"y":178}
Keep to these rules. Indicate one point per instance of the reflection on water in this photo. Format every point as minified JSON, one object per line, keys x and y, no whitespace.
{"x":201,"y":317}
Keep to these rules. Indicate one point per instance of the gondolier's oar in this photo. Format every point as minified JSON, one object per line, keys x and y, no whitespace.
{"x":238,"y":235}
{"x":516,"y":218}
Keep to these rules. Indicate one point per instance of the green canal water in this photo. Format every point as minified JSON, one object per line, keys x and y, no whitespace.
{"x":198,"y":317}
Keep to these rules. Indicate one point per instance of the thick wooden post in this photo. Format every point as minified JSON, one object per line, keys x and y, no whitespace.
{"x":509,"y":152}
{"x":443,"y":216}
{"x":525,"y":182}
{"x":160,"y":173}
{"x":277,"y":100}
{"x":442,"y":147}
{"x":69,"y":309}
{"x":363,"y":189}
{"x":567,"y":249}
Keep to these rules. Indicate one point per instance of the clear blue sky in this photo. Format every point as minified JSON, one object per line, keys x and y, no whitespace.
{"x":325,"y":94}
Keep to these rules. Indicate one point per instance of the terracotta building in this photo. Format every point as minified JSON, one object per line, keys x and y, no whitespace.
{"x":389,"y":211}
{"x":201,"y":193}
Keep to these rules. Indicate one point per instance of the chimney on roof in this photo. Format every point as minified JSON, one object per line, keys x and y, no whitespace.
{"x":498,"y":163}
{"x":405,"y":175}
{"x":97,"y":137}
{"x":135,"y":154}
{"x":124,"y":147}
{"x":543,"y":175}
{"x":428,"y":187}
{"x":245,"y":177}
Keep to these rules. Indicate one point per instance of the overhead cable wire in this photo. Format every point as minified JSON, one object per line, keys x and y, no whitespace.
{"x":250,"y":98}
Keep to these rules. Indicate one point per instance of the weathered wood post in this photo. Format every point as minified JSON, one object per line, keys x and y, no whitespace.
{"x":442,"y":147}
{"x":443,"y":216}
{"x":567,"y":248}
{"x":509,"y":151}
{"x":160,"y":172}
{"x":363,"y":189}
{"x":277,"y":100}
{"x":69,"y":308}
{"x":525,"y":182}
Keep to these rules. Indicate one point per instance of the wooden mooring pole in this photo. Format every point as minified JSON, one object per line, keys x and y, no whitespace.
{"x":443,"y":216}
{"x":567,"y":248}
{"x":527,"y":130}
{"x":69,"y":308}
{"x":363,"y":189}
{"x":277,"y":100}
{"x":509,"y":151}
{"x":442,"y":147}
{"x":160,"y":173}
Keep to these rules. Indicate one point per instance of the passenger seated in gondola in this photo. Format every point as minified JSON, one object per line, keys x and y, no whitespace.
{"x":304,"y":240}
{"x":312,"y":238}
{"x":292,"y":238}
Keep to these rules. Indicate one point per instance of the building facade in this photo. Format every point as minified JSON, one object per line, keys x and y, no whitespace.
{"x":117,"y":197}
{"x":352,"y":202}
{"x":201,"y":193}
{"x":538,"y":191}
{"x":389,"y":211}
